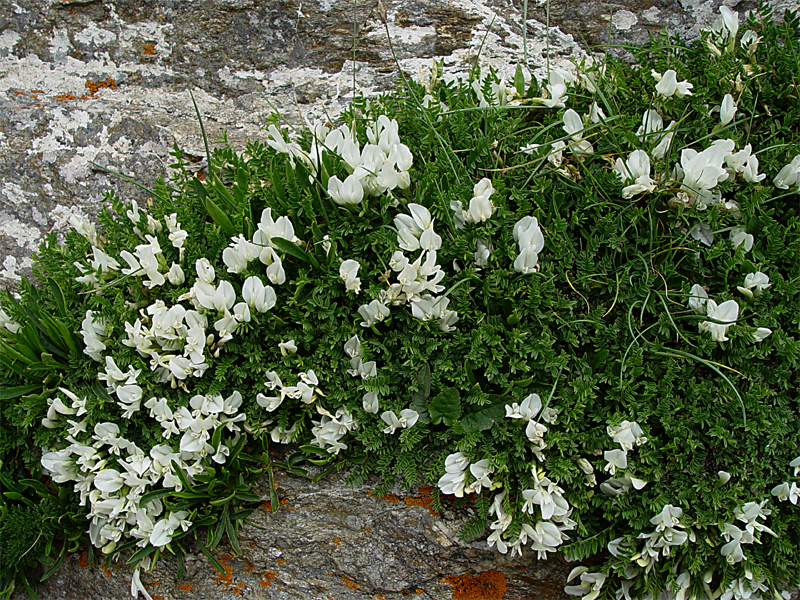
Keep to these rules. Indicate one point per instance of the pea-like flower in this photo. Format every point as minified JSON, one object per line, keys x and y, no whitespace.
{"x":668,"y":85}
{"x":637,"y":171}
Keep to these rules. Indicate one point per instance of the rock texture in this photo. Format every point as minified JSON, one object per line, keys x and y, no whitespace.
{"x":93,"y":82}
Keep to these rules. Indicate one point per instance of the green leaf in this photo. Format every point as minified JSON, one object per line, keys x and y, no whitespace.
{"x":214,"y":562}
{"x":220,"y":218}
{"x":16,"y":392}
{"x":154,"y":495}
{"x":445,"y":407}
{"x":487,"y":415}
{"x":223,"y":194}
{"x":293,"y":249}
{"x":58,"y":296}
{"x":519,"y":81}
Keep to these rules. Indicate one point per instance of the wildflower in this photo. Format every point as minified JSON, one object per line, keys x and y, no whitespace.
{"x":668,"y":85}
{"x":739,"y":237}
{"x":347,"y":272}
{"x":287,"y":348}
{"x":370,"y":402}
{"x":345,"y":192}
{"x":574,"y":127}
{"x":726,"y":313}
{"x":372,"y":313}
{"x":789,"y":175}
{"x":754,"y":285}
{"x":637,"y":170}
{"x":727,"y":110}
{"x":406,"y":419}
{"x":531,"y":241}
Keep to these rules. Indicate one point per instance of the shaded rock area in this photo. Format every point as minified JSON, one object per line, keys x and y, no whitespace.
{"x":111,"y":83}
{"x":333,"y":541}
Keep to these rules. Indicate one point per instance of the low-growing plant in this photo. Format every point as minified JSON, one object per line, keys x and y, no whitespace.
{"x":574,"y":303}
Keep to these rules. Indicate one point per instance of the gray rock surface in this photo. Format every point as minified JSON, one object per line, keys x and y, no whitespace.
{"x":94,"y":81}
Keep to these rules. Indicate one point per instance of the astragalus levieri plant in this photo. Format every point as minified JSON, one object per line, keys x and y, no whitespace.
{"x":572,"y":318}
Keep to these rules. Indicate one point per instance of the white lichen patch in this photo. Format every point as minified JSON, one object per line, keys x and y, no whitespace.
{"x":8,"y":40}
{"x":623,"y":20}
{"x":11,"y":265}
{"x":25,"y":236}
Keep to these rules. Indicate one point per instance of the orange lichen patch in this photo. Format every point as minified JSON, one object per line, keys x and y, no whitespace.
{"x":423,"y":499}
{"x":225,"y":559}
{"x":227,"y":577}
{"x":380,"y":596}
{"x":186,"y":587}
{"x":266,"y":578}
{"x":83,"y":562}
{"x":280,"y":560}
{"x":234,"y":591}
{"x":239,"y":585}
{"x":367,"y":527}
{"x":488,"y":585}
{"x":65,"y":97}
{"x":387,"y":497}
{"x":107,"y":572}
{"x":249,"y":566}
{"x":349,"y":583}
{"x":157,"y":597}
{"x":283,"y":501}
{"x":419,"y":591}
{"x":149,"y":49}
{"x":93,"y":86}
{"x":266,"y":504}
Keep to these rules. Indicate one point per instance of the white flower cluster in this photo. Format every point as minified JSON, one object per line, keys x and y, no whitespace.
{"x":414,"y":232}
{"x":668,"y":533}
{"x":748,"y":588}
{"x":590,"y":583}
{"x":329,"y":430}
{"x":241,"y":252}
{"x":784,"y":491}
{"x":454,"y":480}
{"x":306,"y":390}
{"x":749,"y":515}
{"x":348,"y":272}
{"x":112,"y":474}
{"x":789,"y":176}
{"x":382,"y":165}
{"x":406,"y":420}
{"x":528,"y":235}
{"x":573,"y":125}
{"x":652,"y":132}
{"x":700,"y":172}
{"x":626,"y":434}
{"x":480,"y":209}
{"x":94,"y":331}
{"x":175,"y":341}
{"x":726,"y":314}
{"x":359,"y":368}
{"x":129,"y":394}
{"x":102,"y":264}
{"x":544,"y":537}
{"x":534,"y":431}
{"x":147,"y":259}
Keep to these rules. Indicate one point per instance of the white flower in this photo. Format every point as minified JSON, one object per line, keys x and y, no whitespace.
{"x":372,"y":313}
{"x":762,"y":333}
{"x":617,"y":459}
{"x":726,"y":313}
{"x":345,"y":192}
{"x":348,"y":271}
{"x":7,"y":322}
{"x":637,"y":170}
{"x":370,"y":402}
{"x":288,"y":348}
{"x":573,"y":125}
{"x":703,"y":233}
{"x":789,"y":175}
{"x":453,"y":483}
{"x":739,"y":237}
{"x":626,"y":434}
{"x":754,"y":284}
{"x":175,"y":274}
{"x":727,"y":110}
{"x":652,"y":123}
{"x":732,"y":551}
{"x":205,"y":272}
{"x":723,"y":476}
{"x":258,"y":296}
{"x":783,"y":492}
{"x":726,"y":26}
{"x":669,"y":85}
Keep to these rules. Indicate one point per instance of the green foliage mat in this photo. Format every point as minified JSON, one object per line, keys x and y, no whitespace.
{"x":596,"y":354}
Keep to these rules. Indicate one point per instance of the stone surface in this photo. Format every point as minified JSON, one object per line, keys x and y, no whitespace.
{"x":332,"y":541}
{"x":111,"y":83}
